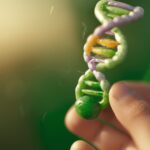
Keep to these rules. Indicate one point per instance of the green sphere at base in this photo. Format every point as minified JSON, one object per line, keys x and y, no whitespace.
{"x":88,"y":107}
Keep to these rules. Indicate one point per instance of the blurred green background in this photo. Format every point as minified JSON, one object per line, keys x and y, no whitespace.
{"x":41,"y":60}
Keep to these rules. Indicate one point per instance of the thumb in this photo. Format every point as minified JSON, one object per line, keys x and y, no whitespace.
{"x":131,"y":106}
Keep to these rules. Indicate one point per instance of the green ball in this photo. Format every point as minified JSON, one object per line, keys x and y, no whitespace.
{"x":88,"y":107}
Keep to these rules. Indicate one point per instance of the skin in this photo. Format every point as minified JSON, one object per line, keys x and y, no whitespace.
{"x":129,"y":112}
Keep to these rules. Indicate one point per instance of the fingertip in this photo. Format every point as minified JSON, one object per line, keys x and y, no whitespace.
{"x":118,"y":90}
{"x":129,"y":105}
{"x":80,"y":126}
{"x":81,"y":145}
{"x":69,"y":119}
{"x":74,"y":122}
{"x":123,"y":88}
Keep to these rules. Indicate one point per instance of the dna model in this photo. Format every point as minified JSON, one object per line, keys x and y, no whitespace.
{"x":104,"y":49}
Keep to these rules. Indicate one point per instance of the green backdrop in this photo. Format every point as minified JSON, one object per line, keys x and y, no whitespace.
{"x":38,"y":91}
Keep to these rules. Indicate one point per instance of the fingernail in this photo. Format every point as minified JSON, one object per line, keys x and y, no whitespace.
{"x":121,"y":90}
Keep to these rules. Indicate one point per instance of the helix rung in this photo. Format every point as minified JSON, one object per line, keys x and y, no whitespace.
{"x":117,"y":11}
{"x":105,"y":52}
{"x":109,"y":43}
{"x":111,"y":15}
{"x":92,"y":92}
{"x":92,"y":84}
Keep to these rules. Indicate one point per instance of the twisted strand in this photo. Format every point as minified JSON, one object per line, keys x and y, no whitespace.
{"x":104,"y":49}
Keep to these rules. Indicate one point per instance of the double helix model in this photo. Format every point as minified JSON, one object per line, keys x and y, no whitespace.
{"x":104,"y":49}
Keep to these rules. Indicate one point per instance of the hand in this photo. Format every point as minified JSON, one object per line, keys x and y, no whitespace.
{"x":129,"y":114}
